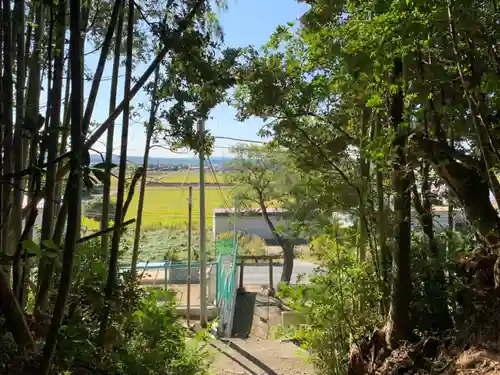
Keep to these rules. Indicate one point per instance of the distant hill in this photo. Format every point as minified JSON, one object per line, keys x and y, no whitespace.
{"x":216,"y":160}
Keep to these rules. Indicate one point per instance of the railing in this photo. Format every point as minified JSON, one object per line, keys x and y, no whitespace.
{"x":256,"y":258}
{"x":226,"y":284}
{"x":174,"y":275}
{"x":221,"y":281}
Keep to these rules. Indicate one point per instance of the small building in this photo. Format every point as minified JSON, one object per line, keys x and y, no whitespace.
{"x":440,"y":216}
{"x":248,"y":221}
{"x":251,"y":221}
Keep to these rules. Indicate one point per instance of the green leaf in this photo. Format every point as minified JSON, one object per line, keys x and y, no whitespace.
{"x":97,"y":267}
{"x":49,"y":244}
{"x":31,"y":248}
{"x":87,"y":181}
{"x":100,"y":175}
{"x":104,"y":165}
{"x":50,"y":253}
{"x":374,"y":101}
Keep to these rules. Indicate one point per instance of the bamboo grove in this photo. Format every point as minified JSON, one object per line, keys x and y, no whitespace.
{"x":47,"y":134}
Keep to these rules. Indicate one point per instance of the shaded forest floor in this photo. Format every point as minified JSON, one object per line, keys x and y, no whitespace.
{"x":474,"y":347}
{"x":413,"y":359}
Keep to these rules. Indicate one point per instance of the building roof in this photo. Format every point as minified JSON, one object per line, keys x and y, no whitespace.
{"x":272,"y":211}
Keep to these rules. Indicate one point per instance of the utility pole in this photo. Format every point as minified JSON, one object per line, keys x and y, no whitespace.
{"x":190,"y":224}
{"x":235,"y":236}
{"x":203,"y":252}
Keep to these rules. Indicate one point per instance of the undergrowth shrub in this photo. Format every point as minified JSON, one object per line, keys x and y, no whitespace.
{"x":451,"y":246}
{"x":330,"y":301}
{"x":247,"y":244}
{"x":144,"y":335}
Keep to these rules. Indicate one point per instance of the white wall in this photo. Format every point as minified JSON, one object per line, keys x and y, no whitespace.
{"x":247,"y":224}
{"x":257,"y":225}
{"x":440,"y":219}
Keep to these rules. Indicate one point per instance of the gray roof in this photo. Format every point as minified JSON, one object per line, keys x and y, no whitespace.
{"x":247,"y":211}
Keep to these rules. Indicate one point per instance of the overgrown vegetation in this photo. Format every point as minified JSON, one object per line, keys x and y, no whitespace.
{"x":384,"y":111}
{"x":378,"y":112}
{"x":65,"y":307}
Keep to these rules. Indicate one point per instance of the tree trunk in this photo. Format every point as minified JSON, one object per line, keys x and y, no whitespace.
{"x":14,"y":314}
{"x":398,"y":322}
{"x":46,"y":264}
{"x":140,"y":206}
{"x":33,"y":117}
{"x":364,"y":166}
{"x":106,"y":196}
{"x":7,"y":119}
{"x":74,"y":182}
{"x":113,"y":261}
{"x":3,"y":217}
{"x":19,"y":183}
{"x":101,"y":64}
{"x":286,"y":246}
{"x":385,"y":255}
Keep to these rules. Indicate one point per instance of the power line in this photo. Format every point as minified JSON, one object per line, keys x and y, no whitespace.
{"x":241,"y":140}
{"x":217,"y":182}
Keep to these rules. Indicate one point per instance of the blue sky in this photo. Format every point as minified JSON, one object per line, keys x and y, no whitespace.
{"x":246,"y":22}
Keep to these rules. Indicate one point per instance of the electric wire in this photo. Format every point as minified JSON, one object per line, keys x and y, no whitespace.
{"x":217,"y":183}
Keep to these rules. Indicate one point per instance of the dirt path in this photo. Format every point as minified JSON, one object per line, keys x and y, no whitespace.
{"x":253,"y":350}
{"x":259,"y":357}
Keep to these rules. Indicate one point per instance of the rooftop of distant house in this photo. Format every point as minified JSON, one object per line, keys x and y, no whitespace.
{"x":248,"y":211}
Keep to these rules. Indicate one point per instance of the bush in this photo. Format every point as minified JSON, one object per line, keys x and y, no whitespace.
{"x":331,"y":303}
{"x":251,"y":245}
{"x":247,"y":245}
{"x":143,"y":336}
{"x":93,"y":209}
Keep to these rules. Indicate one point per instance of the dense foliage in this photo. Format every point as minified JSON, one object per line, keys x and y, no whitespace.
{"x":380,"y":111}
{"x":387,"y":110}
{"x":66,"y":308}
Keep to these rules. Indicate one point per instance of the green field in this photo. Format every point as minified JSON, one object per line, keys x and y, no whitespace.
{"x":178,"y":176}
{"x":184,"y":176}
{"x":168,"y":207}
{"x":165,"y":217}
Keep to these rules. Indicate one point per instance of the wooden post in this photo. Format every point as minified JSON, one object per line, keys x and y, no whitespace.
{"x":241,"y":288}
{"x":271,"y":290}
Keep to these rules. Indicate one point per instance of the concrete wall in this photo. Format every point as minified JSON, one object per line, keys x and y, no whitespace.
{"x":255,"y":225}
{"x":440,"y":220}
{"x":179,"y":275}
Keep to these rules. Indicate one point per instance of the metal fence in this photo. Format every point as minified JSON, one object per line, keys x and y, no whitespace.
{"x":221,"y":281}
{"x":227,"y":254}
{"x":174,"y":275}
